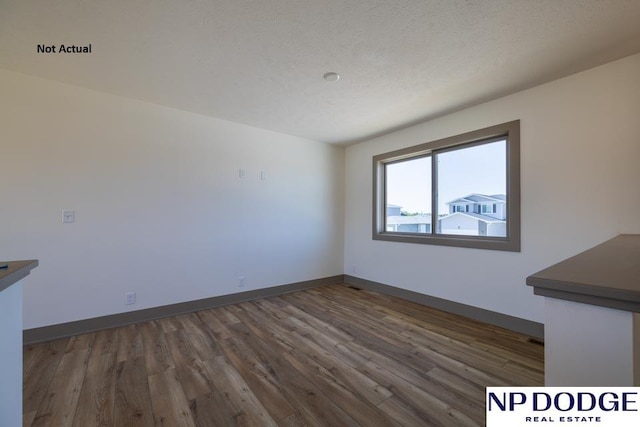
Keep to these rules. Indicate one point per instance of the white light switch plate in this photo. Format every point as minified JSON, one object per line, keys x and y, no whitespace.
{"x":68,"y":216}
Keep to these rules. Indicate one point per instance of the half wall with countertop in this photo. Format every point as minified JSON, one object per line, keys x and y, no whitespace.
{"x":592,"y":315}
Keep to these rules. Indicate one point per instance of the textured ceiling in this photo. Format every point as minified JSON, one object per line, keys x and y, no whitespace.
{"x":260,"y":62}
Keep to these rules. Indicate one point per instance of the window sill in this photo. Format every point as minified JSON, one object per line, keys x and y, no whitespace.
{"x":474,"y":242}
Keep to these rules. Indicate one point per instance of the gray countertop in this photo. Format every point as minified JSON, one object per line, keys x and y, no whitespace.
{"x":607,"y":275}
{"x":16,"y":270}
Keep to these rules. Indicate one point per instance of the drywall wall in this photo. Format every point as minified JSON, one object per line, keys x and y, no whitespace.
{"x":580,"y":148}
{"x":571,"y":356}
{"x":160,"y":207}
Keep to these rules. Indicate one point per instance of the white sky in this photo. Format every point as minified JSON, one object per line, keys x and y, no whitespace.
{"x":480,"y":169}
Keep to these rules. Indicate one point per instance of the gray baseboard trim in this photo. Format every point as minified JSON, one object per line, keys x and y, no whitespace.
{"x":63,"y":330}
{"x":517,"y":324}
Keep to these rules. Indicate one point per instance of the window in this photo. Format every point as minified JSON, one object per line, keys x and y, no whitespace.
{"x":459,"y":191}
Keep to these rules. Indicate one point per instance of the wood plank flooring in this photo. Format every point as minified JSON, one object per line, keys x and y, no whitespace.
{"x":330,"y":356}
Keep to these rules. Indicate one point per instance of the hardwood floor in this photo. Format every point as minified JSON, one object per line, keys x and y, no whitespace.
{"x":329,"y":356}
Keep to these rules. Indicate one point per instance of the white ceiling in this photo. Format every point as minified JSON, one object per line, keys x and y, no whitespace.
{"x":260,"y":62}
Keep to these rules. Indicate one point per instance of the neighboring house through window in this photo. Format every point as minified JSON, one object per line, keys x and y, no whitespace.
{"x":483,"y":216}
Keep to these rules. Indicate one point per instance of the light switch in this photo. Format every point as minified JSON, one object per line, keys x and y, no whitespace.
{"x":68,"y":216}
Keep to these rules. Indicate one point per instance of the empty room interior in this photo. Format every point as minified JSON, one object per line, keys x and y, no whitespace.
{"x":323,"y":213}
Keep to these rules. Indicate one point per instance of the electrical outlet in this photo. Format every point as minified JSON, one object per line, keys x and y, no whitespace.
{"x":241,"y":280}
{"x":131,"y":298}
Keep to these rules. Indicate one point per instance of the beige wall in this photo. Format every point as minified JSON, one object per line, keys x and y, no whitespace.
{"x":160,"y":209}
{"x":580,"y":143}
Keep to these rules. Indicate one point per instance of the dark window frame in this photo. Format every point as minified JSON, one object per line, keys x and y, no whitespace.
{"x":509,"y":131}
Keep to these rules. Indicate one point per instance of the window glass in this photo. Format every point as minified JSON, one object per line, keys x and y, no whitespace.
{"x":408,"y":195}
{"x":478,"y":175}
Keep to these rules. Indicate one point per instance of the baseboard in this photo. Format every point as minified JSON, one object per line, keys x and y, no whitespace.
{"x":517,"y":324}
{"x":63,"y":330}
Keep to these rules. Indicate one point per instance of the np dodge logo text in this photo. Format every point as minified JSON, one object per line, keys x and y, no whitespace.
{"x":544,"y":406}
{"x":563,"y":401}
